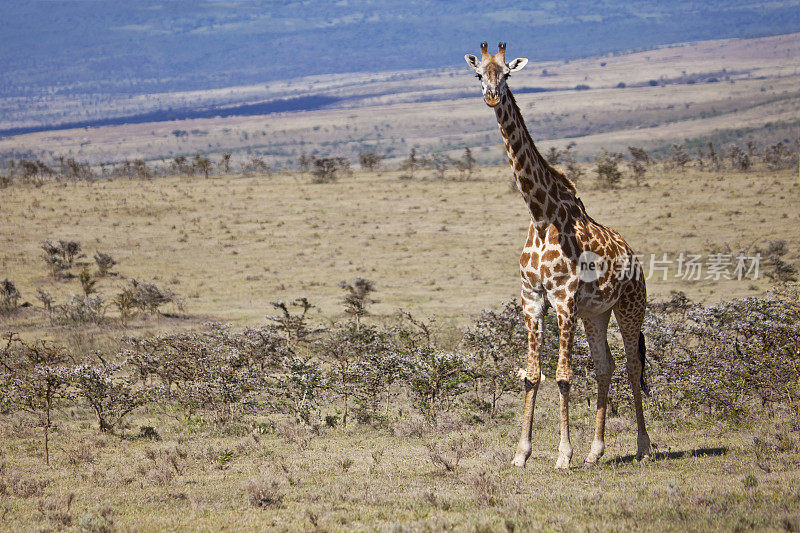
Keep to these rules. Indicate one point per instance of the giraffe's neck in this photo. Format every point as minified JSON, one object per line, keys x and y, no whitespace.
{"x":544,"y":189}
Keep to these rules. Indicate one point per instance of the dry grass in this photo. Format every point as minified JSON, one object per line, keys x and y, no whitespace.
{"x":231,"y":245}
{"x":706,"y":475}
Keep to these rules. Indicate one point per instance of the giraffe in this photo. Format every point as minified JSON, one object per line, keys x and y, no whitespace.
{"x":572,"y":263}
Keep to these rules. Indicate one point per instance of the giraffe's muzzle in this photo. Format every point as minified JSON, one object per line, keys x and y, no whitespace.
{"x":491,"y":98}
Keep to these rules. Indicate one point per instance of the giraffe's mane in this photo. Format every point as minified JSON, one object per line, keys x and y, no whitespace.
{"x":559,"y":177}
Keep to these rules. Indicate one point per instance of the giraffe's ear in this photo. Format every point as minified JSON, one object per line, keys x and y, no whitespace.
{"x":472,"y":61}
{"x":517,"y":64}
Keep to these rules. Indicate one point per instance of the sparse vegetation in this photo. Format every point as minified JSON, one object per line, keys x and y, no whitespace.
{"x":149,"y":297}
{"x":60,"y":256}
{"x":412,"y":163}
{"x":104,"y":264}
{"x":607,"y":169}
{"x":640,"y":161}
{"x":729,"y":363}
{"x":9,"y":297}
{"x":369,"y":160}
{"x":327,"y":169}
{"x":203,"y":164}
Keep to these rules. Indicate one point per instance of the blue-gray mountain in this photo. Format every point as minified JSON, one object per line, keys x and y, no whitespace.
{"x":149,"y":46}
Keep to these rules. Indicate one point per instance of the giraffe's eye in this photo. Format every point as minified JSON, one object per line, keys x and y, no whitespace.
{"x":479,"y":76}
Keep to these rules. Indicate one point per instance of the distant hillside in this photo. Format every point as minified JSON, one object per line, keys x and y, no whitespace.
{"x":728,"y":91}
{"x":158,"y":46}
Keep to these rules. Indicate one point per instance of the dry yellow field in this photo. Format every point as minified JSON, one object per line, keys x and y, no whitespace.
{"x":230,"y":245}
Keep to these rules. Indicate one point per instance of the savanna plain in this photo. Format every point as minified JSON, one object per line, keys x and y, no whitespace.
{"x":267,"y":352}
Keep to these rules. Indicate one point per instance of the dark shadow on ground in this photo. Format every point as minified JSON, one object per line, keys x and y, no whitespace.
{"x":672,"y":455}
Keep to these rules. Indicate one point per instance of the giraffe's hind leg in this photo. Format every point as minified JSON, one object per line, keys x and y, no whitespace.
{"x":630,"y":315}
{"x":596,"y":330}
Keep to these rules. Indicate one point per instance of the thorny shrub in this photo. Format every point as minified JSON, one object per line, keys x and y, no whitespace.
{"x":60,"y":256}
{"x":719,"y":358}
{"x":497,"y":341}
{"x":81,"y":310}
{"x":110,"y":390}
{"x":198,"y":371}
{"x":724,"y":360}
{"x":9,"y":297}
{"x":363,"y":363}
{"x":35,"y":379}
{"x":148,"y":297}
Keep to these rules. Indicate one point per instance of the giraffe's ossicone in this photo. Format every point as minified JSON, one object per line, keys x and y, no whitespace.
{"x":570,"y":262}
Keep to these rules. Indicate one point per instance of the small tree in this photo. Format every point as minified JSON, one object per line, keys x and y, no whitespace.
{"x":60,"y":256}
{"x":412,"y":162}
{"x":640,"y":161}
{"x":779,"y":156}
{"x":293,"y":325}
{"x":300,"y":383}
{"x":344,"y":166}
{"x":357,"y":297}
{"x":203,"y":164}
{"x":363,"y":363}
{"x":141,"y":170}
{"x":104,"y":264}
{"x":112,"y":396}
{"x":79,"y":171}
{"x":149,"y":296}
{"x":572,"y":170}
{"x":125,"y":302}
{"x":305,"y":162}
{"x":740,"y":160}
{"x":780,"y":270}
{"x":435,"y":379}
{"x":701,"y":158}
{"x":325,"y":170}
{"x":181,"y":165}
{"x":47,"y":301}
{"x":82,"y":310}
{"x":607,"y":168}
{"x":553,"y":155}
{"x":35,"y":379}
{"x":440,"y":163}
{"x":713,"y":158}
{"x":257,"y":165}
{"x":496,"y":341}
{"x":468,"y":161}
{"x":225,"y":162}
{"x":678,"y":158}
{"x":369,"y":160}
{"x":9,"y":297}
{"x":87,"y":282}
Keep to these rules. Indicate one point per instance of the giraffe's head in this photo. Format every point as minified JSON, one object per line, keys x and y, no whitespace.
{"x":493,"y":71}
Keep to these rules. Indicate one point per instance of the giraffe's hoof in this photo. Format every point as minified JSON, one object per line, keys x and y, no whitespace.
{"x":596,"y":452}
{"x":591,"y":461}
{"x":563,"y":462}
{"x":523,"y":452}
{"x":643,"y":457}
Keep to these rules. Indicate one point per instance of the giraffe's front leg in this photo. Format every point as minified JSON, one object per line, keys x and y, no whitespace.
{"x":534,"y":306}
{"x":566,"y":329}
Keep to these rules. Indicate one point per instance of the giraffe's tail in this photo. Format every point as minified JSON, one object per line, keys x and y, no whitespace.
{"x":642,"y":353}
